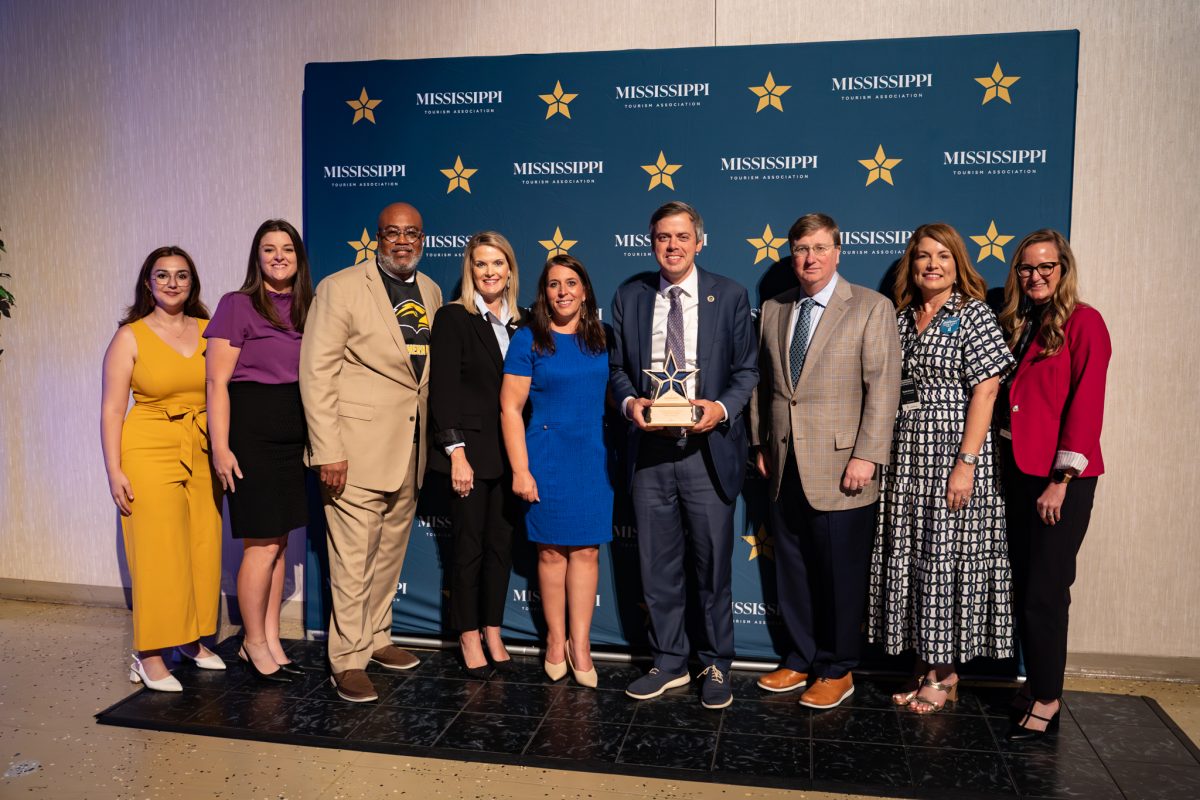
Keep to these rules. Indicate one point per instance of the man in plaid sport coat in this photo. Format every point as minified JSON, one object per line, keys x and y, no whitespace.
{"x":821,"y":422}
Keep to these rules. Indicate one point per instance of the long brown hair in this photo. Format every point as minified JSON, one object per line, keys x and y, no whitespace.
{"x":143,"y":295}
{"x":968,"y":280}
{"x":1061,"y":306}
{"x":589,"y":333}
{"x":302,"y":288}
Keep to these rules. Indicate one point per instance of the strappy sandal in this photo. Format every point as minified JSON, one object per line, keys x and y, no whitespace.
{"x":903,"y":698}
{"x":920,"y":705}
{"x":1017,"y":731}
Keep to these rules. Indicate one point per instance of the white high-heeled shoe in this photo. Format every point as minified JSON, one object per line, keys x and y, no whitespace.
{"x":210,"y":661}
{"x":137,"y":674}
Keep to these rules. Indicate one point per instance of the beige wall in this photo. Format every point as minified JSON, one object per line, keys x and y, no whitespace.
{"x":133,"y":123}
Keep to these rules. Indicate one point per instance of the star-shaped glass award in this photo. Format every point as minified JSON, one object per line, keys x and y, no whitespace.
{"x":670,"y":406}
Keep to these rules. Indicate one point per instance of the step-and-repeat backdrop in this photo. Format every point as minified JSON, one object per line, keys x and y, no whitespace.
{"x":572,"y":152}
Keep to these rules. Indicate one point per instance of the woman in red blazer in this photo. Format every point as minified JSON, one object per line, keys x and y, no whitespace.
{"x":1050,"y":434}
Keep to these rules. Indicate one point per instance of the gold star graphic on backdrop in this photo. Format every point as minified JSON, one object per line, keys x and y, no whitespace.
{"x":761,"y":544}
{"x":558,"y":102}
{"x":879,"y":167}
{"x":558,"y":245}
{"x":364,"y":247}
{"x":661,"y":172}
{"x":991,"y":244}
{"x":458,"y":176}
{"x":997,"y":85}
{"x":364,"y":108}
{"x":769,"y":94}
{"x":767,"y":245}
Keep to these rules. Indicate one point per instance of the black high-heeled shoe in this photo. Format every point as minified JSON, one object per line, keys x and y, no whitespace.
{"x":1017,"y":732}
{"x":478,"y":673}
{"x":278,"y":676}
{"x":506,"y":665}
{"x":291,"y":669}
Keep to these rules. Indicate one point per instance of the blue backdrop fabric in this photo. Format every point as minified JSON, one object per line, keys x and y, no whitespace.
{"x":572,"y":152}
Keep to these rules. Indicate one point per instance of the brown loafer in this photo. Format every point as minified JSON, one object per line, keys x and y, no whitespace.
{"x":782,"y":680}
{"x":392,"y":657}
{"x":354,"y":685}
{"x":828,"y":692}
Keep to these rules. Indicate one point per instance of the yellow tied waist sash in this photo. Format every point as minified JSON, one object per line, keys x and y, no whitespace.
{"x":193,"y":422}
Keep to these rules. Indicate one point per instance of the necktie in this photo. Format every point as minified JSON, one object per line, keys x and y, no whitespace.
{"x":799,"y":346}
{"x":675,"y":344}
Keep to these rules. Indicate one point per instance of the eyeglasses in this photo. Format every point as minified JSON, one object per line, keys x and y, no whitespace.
{"x":1043,"y":269}
{"x":394,"y":235}
{"x":164,"y":278}
{"x":818,"y":250}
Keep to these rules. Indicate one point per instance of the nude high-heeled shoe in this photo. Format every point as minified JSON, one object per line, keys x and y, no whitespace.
{"x":588,"y":679}
{"x":556,"y":672}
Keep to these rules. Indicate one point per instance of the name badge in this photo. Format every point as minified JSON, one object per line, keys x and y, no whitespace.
{"x":950,"y":325}
{"x":910,"y":397}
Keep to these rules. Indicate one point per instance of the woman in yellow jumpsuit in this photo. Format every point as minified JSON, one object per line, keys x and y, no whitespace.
{"x":158,"y":468}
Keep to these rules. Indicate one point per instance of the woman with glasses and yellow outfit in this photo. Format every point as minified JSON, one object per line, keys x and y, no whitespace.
{"x":1049,"y":425}
{"x":158,"y":468}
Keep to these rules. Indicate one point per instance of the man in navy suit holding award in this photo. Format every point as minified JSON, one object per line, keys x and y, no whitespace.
{"x":685,"y":327}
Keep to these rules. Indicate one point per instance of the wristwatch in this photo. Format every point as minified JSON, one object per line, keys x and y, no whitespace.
{"x":1061,"y":476}
{"x":968,"y":458}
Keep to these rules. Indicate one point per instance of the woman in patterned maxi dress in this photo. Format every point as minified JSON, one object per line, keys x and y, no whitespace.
{"x":940,"y":580}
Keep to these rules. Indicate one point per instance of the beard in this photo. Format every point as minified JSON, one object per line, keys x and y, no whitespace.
{"x":388,"y":263}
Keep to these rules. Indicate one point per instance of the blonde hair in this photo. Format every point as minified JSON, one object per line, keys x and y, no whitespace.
{"x":1062,"y":304}
{"x":968,"y":280}
{"x":511,"y":288}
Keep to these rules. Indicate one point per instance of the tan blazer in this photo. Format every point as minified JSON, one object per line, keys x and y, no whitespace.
{"x":361,"y":394}
{"x":845,"y":401}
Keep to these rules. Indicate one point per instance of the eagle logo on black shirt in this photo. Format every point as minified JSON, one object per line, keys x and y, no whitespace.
{"x":411,"y":314}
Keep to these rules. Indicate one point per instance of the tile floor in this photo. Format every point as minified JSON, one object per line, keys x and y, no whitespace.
{"x":62,"y":664}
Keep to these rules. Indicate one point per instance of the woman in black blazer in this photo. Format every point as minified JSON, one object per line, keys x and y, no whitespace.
{"x":467,"y":347}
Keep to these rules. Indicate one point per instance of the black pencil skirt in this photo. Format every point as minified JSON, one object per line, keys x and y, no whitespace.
{"x":267,"y":435}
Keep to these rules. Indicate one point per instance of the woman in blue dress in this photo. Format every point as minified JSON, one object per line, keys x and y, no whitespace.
{"x":559,"y":364}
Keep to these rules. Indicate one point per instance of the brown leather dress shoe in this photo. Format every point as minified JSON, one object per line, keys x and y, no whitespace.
{"x":354,"y":685}
{"x":392,"y":657}
{"x":782,"y":680}
{"x":828,"y":692}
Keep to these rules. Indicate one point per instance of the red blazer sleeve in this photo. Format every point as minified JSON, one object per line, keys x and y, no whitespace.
{"x":1090,"y":349}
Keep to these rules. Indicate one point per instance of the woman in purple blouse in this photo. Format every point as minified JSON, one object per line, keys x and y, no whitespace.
{"x":256,"y":429}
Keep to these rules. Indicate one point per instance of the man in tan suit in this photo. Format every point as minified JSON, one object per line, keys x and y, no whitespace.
{"x":364,"y":381}
{"x":822,"y":419}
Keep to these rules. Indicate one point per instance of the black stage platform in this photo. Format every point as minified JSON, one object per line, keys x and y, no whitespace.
{"x":1109,"y":746}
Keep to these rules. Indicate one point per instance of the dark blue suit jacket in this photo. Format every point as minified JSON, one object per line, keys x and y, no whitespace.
{"x":727,"y":356}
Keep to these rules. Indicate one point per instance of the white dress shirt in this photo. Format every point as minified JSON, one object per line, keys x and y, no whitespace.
{"x":690,"y":302}
{"x":499,"y":324}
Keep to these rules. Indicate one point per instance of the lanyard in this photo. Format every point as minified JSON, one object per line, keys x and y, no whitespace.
{"x":954,"y":300}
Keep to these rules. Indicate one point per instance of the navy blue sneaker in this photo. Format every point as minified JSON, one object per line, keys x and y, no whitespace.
{"x":715,"y":692}
{"x":654,"y":683}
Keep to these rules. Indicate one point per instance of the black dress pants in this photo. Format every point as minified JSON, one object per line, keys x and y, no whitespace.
{"x":1043,"y":569}
{"x":482,"y":527}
